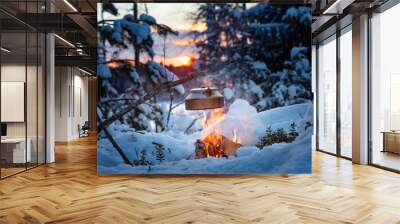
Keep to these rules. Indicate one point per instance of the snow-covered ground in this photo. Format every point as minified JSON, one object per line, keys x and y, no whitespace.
{"x":179,"y":147}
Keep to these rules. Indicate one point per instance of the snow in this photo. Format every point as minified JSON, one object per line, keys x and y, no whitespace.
{"x":140,"y":31}
{"x":292,"y":157}
{"x":181,"y":119}
{"x":255,"y":89}
{"x":106,"y":84}
{"x":228,"y":93}
{"x":134,"y":75}
{"x":303,"y":14}
{"x":241,"y":108}
{"x":292,"y":90}
{"x":237,"y":13}
{"x":297,"y":52}
{"x":103,"y":71}
{"x":145,"y":108}
{"x":250,"y":125}
{"x":159,"y":73}
{"x":259,"y":65}
{"x":267,"y":66}
{"x":148,"y":19}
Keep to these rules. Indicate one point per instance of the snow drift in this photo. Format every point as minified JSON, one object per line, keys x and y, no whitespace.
{"x":292,"y":157}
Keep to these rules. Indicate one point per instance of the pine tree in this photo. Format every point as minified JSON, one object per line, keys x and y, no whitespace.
{"x":159,"y":152}
{"x":130,"y":80}
{"x":214,"y":42}
{"x":143,"y":159}
{"x":279,"y":40}
{"x":260,"y":53}
{"x":224,"y":51}
{"x":267,"y":139}
{"x":292,"y":135}
{"x":278,"y":136}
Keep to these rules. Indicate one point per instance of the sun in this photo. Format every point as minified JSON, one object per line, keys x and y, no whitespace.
{"x":186,"y":60}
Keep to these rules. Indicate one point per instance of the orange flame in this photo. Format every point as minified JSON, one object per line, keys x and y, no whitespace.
{"x":235,"y":137}
{"x":214,"y":144}
{"x":213,"y":117}
{"x":214,"y":141}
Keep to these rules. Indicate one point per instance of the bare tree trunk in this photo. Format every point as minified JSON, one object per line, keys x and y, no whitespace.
{"x":170,"y":107}
{"x":155,"y":102}
{"x":112,"y":140}
{"x":137,"y":53}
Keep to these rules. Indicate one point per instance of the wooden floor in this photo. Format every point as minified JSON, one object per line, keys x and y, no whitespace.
{"x":5,"y":172}
{"x":70,"y":191}
{"x":387,"y":159}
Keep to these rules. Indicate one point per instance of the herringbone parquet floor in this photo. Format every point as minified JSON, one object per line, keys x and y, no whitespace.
{"x":69,"y":191}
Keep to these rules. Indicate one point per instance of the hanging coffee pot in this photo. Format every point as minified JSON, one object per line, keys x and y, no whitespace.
{"x":204,"y":98}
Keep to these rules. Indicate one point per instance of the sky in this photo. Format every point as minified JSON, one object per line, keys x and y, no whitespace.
{"x":178,"y":16}
{"x":179,"y":49}
{"x":175,"y":15}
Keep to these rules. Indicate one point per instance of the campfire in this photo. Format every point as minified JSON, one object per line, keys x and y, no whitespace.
{"x":216,"y":144}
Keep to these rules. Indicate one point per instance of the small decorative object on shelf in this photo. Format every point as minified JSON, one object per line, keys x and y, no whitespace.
{"x":391,"y":141}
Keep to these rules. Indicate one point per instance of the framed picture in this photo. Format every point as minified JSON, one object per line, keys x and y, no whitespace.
{"x":204,"y":88}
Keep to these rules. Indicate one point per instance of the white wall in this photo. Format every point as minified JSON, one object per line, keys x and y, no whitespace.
{"x":10,"y":73}
{"x":17,"y":73}
{"x":62,"y":81}
{"x":80,"y":110}
{"x":33,"y":126}
{"x":314,"y":90}
{"x":71,"y":94}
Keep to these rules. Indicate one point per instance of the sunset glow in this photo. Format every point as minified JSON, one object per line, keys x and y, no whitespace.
{"x":193,"y":27}
{"x":186,"y":60}
{"x":176,"y":61}
{"x":184,"y":42}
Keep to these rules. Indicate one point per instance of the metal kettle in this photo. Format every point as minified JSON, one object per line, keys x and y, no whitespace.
{"x":204,"y":98}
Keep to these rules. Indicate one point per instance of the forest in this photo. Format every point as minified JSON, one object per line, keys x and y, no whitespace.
{"x":207,"y":88}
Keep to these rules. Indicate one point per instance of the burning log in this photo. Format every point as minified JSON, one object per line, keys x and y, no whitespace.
{"x":215,"y":145}
{"x":200,"y":149}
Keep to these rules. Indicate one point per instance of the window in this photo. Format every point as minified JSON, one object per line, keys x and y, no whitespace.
{"x":346,"y":93}
{"x":327,"y":96}
{"x":385,"y":89}
{"x":22,"y":77}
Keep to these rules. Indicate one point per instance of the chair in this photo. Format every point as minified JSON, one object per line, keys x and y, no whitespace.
{"x":84,"y":130}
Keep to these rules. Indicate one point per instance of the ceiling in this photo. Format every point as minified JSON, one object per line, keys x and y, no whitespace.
{"x":331,"y":15}
{"x":74,"y":22}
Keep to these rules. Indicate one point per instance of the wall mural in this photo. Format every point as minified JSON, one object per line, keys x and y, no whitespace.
{"x":204,"y":88}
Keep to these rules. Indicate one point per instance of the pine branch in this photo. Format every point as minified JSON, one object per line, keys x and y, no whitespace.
{"x":117,"y":99}
{"x":191,"y":125}
{"x":156,"y":91}
{"x":178,"y":104}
